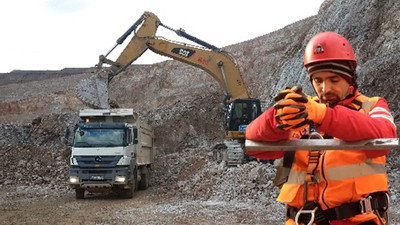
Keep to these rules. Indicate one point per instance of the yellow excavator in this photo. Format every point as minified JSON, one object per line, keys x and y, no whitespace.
{"x":240,"y":109}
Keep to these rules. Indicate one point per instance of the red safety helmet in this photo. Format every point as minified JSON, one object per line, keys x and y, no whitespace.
{"x":329,"y":46}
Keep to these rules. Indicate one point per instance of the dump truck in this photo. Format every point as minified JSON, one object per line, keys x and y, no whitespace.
{"x":112,"y":151}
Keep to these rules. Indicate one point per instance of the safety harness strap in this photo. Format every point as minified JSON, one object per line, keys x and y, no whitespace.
{"x":377,"y":203}
{"x":313,"y":161}
{"x":312,"y":165}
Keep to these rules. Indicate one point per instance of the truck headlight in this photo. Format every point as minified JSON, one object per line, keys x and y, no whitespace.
{"x":74,"y":180}
{"x":120,"y":179}
{"x":125,"y":160}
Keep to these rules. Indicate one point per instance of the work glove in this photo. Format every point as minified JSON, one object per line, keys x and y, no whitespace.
{"x":288,"y":90}
{"x":300,"y":103}
{"x":316,"y":111}
{"x":289,"y":113}
{"x":296,"y":122}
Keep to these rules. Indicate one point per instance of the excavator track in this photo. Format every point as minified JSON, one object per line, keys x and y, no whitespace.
{"x":235,"y":153}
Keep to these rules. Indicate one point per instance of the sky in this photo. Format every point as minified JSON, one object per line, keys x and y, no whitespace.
{"x":57,"y":34}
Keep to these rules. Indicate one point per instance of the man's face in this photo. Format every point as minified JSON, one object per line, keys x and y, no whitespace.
{"x":330,"y":87}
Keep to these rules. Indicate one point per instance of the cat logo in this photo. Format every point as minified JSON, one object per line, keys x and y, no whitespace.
{"x":187,"y":53}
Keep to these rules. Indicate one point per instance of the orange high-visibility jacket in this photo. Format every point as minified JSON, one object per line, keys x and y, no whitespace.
{"x":342,"y":176}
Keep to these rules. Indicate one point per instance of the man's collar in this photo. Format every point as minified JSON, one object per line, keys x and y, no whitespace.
{"x":349,"y":99}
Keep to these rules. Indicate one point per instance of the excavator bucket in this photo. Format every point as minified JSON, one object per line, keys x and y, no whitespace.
{"x":93,"y":91}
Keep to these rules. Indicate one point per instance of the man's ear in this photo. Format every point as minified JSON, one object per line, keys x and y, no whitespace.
{"x":351,"y":90}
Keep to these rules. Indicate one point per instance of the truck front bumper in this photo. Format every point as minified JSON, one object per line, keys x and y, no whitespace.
{"x":99,"y":178}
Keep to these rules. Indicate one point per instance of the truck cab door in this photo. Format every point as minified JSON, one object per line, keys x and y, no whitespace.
{"x":130,"y":141}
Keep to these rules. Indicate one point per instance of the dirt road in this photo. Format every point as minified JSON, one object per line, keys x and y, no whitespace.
{"x":25,"y":205}
{"x":32,"y":205}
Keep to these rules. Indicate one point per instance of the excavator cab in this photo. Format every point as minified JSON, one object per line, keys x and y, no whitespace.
{"x":239,"y":113}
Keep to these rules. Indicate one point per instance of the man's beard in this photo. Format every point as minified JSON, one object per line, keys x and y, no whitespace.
{"x":332,"y":99}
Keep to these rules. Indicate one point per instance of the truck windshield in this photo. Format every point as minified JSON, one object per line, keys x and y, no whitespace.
{"x":99,"y":137}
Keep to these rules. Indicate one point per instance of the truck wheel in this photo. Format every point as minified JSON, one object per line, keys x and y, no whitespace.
{"x":129,"y":193}
{"x":79,"y":193}
{"x":150,"y":175}
{"x":145,"y":177}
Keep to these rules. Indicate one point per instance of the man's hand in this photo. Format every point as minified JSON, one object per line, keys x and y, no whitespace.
{"x":316,"y":111}
{"x":288,"y":90}
{"x":295,"y":104}
{"x":290,"y":114}
{"x":296,"y":109}
{"x":296,"y":122}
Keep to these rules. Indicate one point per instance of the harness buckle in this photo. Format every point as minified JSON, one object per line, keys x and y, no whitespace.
{"x":305,"y":211}
{"x":366,"y":206}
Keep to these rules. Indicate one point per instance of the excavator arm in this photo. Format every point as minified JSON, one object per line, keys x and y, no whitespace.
{"x":93,"y":91}
{"x":217,"y":63}
{"x":135,"y":48}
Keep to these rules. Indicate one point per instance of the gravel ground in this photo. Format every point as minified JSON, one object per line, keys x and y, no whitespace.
{"x":188,"y":188}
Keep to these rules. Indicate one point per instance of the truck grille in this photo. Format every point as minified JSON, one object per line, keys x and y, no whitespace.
{"x":102,"y":161}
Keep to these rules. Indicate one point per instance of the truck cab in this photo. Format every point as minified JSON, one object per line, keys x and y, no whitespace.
{"x":112,"y":151}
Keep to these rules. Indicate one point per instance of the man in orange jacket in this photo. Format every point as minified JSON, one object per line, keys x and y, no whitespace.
{"x":337,"y":186}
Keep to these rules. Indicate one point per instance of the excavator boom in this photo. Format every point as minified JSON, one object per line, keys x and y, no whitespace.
{"x":217,"y":63}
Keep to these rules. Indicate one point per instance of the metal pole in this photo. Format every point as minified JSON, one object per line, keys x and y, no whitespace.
{"x":323,"y":144}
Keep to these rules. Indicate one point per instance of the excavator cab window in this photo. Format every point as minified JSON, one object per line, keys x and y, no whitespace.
{"x":241,"y":112}
{"x":255,"y":109}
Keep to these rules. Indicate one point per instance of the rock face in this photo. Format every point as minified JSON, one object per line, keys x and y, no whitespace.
{"x":184,"y":103}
